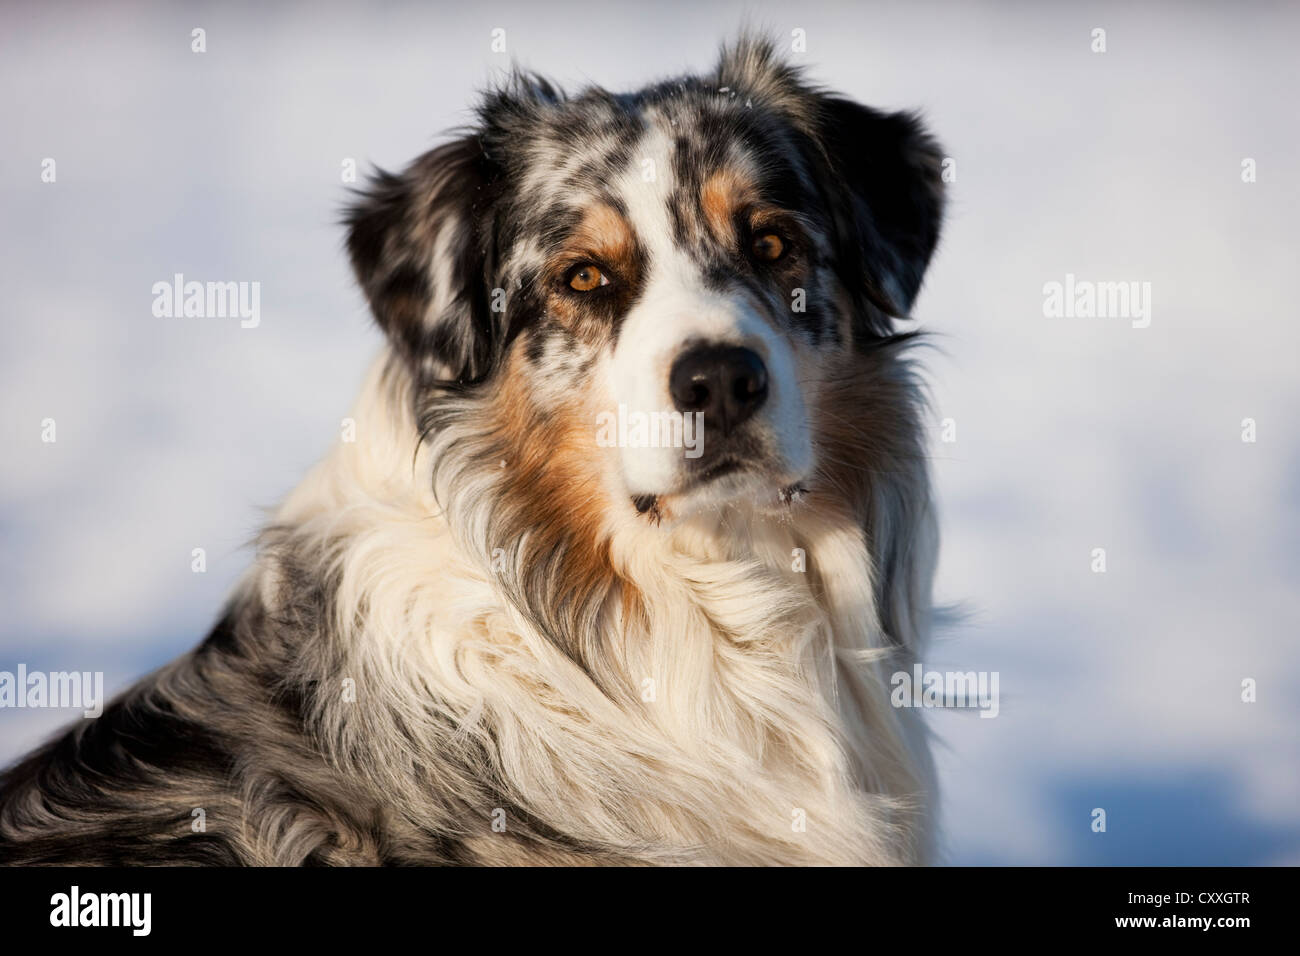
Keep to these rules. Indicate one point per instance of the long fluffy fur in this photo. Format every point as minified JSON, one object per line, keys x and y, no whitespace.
{"x":455,"y":648}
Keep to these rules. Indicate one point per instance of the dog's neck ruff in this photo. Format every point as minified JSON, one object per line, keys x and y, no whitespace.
{"x":699,"y":692}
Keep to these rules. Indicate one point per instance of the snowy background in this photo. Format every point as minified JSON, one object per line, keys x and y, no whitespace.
{"x":1119,"y":690}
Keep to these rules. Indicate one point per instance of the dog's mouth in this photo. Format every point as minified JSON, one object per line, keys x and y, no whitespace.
{"x":652,"y":504}
{"x":728,"y":466}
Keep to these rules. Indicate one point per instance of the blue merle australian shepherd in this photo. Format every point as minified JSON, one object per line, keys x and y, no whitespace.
{"x":479,"y":634}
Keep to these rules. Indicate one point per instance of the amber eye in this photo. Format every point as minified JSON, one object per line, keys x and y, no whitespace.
{"x":587,"y":277}
{"x":767,"y":247}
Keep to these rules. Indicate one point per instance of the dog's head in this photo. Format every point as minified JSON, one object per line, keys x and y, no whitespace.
{"x":650,"y":292}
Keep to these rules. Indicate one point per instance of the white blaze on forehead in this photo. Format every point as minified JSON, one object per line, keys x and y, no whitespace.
{"x":677,"y":309}
{"x":645,"y":185}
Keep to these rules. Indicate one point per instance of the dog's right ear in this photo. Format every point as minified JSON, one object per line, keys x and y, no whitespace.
{"x":419,"y":244}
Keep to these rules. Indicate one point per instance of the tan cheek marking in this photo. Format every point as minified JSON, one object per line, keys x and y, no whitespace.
{"x":566,"y":311}
{"x":554,"y":444}
{"x":551,"y":474}
{"x":593,"y":331}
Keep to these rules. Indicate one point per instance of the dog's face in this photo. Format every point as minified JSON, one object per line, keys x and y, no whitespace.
{"x":648,"y":293}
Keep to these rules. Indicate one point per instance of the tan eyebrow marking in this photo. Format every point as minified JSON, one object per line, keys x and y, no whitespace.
{"x":722,"y":194}
{"x":603,"y":234}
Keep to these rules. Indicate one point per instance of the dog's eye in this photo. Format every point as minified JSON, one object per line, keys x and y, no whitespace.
{"x":767,"y":247}
{"x":586,"y":277}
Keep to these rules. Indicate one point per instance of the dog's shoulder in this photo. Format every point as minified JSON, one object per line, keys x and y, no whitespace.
{"x":121,"y":789}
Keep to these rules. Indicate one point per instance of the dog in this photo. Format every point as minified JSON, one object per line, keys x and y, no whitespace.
{"x":505,"y":625}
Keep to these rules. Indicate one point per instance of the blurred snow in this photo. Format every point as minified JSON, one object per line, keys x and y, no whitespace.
{"x":1119,"y":690}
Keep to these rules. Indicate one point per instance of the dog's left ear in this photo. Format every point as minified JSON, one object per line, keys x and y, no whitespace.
{"x":889,"y":173}
{"x":884,"y":173}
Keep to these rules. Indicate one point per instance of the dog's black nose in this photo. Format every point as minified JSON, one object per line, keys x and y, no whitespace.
{"x":725,"y":382}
